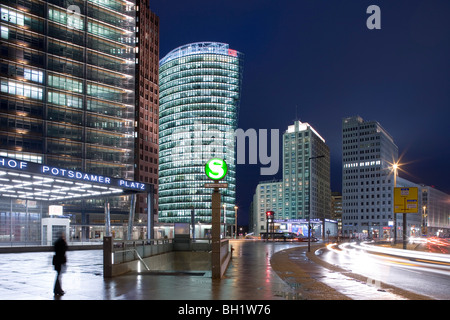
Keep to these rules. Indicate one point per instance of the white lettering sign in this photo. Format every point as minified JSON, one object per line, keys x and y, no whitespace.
{"x":13,"y":164}
{"x":75,"y":175}
{"x":131,"y":184}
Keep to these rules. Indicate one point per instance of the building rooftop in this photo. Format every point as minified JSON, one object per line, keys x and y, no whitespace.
{"x":303,"y":126}
{"x":200,"y":48}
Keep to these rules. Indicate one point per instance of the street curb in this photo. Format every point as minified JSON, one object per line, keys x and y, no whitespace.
{"x":304,"y":286}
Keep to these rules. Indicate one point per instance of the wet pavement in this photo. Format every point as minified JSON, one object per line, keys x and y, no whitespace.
{"x":30,"y":276}
{"x":312,"y":281}
{"x":257,"y":271}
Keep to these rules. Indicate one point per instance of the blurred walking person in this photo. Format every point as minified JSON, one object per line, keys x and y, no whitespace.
{"x":59,"y":261}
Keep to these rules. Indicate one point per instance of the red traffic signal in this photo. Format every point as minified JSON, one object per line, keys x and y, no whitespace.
{"x":270,"y":214}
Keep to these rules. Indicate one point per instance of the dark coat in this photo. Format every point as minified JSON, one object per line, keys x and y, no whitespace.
{"x":60,"y":253}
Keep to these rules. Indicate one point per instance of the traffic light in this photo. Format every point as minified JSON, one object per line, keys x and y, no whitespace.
{"x":270,"y":216}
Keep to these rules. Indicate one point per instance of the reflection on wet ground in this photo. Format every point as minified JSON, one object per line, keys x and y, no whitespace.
{"x":314,"y":281}
{"x":258,"y":271}
{"x":249,"y":276}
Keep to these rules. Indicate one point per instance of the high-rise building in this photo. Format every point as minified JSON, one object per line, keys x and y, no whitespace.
{"x":368,"y":153}
{"x":200,"y":86}
{"x":268,"y":197}
{"x":67,"y":84}
{"x":289,"y":198}
{"x":147,"y":105}
{"x":336,"y":209}
{"x":304,"y":147}
{"x":68,"y":81}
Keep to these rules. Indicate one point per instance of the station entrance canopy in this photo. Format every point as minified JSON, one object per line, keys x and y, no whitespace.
{"x":34,"y":181}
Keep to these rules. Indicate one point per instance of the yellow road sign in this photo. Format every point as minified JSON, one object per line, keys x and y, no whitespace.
{"x":406,"y":200}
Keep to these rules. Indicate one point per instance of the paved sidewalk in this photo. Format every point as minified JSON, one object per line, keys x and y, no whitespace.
{"x":30,"y":276}
{"x":258,"y":271}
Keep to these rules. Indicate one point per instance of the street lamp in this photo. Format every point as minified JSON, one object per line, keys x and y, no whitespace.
{"x":309,"y":202}
{"x":424,"y":221}
{"x":235,"y":221}
{"x":395,"y":167}
{"x":224,"y":222}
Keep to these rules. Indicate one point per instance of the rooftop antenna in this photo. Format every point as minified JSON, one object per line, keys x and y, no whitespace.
{"x":296,"y":113}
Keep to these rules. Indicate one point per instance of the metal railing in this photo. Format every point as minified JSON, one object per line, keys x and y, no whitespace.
{"x":126,"y":251}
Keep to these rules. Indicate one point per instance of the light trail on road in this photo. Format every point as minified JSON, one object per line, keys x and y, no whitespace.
{"x":419,"y":272}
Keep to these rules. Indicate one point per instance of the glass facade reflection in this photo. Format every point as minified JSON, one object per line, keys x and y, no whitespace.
{"x":200,"y":87}
{"x":67,"y":74}
{"x":67,"y":83}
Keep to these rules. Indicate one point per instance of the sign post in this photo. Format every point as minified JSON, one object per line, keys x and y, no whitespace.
{"x":269,"y":224}
{"x":216,"y":169}
{"x":405,"y":201}
{"x":215,"y":235}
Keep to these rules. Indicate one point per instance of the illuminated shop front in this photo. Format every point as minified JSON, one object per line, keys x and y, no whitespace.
{"x":320,"y":228}
{"x":35,"y":198}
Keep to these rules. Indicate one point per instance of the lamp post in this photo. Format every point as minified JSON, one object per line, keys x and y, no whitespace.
{"x":309,"y":202}
{"x":424,"y":220}
{"x":224,"y":222}
{"x":235,"y":221}
{"x":395,"y":168}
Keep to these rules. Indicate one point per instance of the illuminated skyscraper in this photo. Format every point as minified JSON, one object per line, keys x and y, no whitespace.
{"x":200,"y":87}
{"x":67,"y":84}
{"x":290,"y":198}
{"x":68,"y":81}
{"x":300,"y":143}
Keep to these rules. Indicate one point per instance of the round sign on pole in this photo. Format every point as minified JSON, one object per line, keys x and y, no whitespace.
{"x":216,"y":168}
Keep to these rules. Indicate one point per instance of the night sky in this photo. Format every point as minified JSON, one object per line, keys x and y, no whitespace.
{"x":317,"y":61}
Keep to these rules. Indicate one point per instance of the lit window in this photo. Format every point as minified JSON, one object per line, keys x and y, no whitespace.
{"x":33,"y":75}
{"x":22,"y":90}
{"x":12,"y":16}
{"x":5,"y":32}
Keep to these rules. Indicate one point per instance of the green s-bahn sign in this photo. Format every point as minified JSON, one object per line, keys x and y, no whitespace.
{"x":216,"y":168}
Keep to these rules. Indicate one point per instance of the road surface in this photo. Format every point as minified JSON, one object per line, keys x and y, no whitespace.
{"x":422,"y":273}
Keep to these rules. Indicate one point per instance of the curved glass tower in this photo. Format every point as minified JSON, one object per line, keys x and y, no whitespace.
{"x":200,"y":87}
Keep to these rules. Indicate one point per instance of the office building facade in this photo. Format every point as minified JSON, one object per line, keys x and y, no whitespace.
{"x":268,"y":197}
{"x":147,"y":106}
{"x":336,"y":209}
{"x":68,"y":81}
{"x":200,"y":86}
{"x":302,"y":182}
{"x":435,"y":211}
{"x":289,"y":198}
{"x":68,"y":84}
{"x":368,"y":153}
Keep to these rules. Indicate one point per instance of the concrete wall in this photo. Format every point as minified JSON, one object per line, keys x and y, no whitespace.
{"x":161,"y":255}
{"x":174,"y":261}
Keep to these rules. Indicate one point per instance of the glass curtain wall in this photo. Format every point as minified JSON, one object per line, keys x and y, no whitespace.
{"x":199,"y":103}
{"x":67,"y":83}
{"x":67,"y":73}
